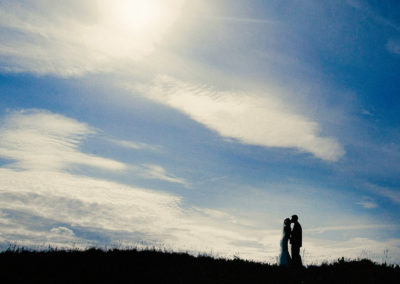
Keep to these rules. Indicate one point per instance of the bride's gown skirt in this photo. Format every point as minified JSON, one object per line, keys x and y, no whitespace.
{"x":284,"y":258}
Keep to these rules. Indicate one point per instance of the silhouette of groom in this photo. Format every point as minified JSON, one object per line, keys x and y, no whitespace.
{"x":296,"y":241}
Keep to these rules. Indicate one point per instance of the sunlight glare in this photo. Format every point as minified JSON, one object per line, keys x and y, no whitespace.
{"x":137,"y":15}
{"x":131,"y":28}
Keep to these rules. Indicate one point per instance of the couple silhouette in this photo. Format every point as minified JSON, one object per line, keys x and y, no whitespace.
{"x":295,"y":237}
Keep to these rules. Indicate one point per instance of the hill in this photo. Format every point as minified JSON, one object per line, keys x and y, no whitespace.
{"x":151,"y":266}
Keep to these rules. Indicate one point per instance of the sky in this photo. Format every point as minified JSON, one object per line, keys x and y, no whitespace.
{"x":199,"y":126}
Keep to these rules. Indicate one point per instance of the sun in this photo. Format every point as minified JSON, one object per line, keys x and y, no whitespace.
{"x":135,"y":15}
{"x":129,"y":28}
{"x":139,"y":14}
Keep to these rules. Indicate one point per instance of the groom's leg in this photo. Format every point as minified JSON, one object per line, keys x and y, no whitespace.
{"x":296,"y":256}
{"x":293,"y":249}
{"x":299,"y":263}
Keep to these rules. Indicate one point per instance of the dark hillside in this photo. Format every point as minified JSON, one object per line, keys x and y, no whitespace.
{"x":149,"y":266}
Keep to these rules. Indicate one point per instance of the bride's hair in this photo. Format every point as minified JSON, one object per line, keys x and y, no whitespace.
{"x":286,"y":221}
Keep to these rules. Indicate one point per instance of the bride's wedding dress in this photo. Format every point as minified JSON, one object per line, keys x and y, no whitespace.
{"x":284,"y":258}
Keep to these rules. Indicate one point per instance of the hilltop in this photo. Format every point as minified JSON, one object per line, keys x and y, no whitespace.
{"x":151,"y":266}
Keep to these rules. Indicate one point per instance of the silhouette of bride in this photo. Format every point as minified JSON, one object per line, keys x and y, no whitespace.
{"x":284,"y":258}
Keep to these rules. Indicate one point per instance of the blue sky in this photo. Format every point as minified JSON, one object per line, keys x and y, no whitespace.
{"x":200,"y":125}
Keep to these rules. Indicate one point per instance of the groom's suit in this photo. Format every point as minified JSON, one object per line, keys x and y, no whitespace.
{"x":296,"y":242}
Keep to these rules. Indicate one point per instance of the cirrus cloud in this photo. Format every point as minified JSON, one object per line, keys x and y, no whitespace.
{"x":40,"y":140}
{"x":256,"y":120}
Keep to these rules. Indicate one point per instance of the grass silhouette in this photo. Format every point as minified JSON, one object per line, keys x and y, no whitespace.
{"x":18,"y":265}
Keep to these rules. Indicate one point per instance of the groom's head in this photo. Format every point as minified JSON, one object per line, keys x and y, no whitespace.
{"x":294,"y":218}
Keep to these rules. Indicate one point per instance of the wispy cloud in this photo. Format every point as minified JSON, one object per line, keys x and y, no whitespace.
{"x":258,"y":120}
{"x":136,"y":145}
{"x":152,"y":171}
{"x":369,"y":11}
{"x":352,"y":228}
{"x":80,"y":36}
{"x":367,"y":203}
{"x":62,"y":231}
{"x":40,"y":140}
{"x":393,"y":46}
{"x":392,"y":194}
{"x":79,"y":202}
{"x":242,"y":20}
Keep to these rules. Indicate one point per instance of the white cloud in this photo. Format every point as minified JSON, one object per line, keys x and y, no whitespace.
{"x":62,"y":231}
{"x":158,"y":172}
{"x":135,"y":145}
{"x":367,"y":203}
{"x":257,"y":120}
{"x":74,"y":37}
{"x":40,"y":140}
{"x":84,"y":201}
